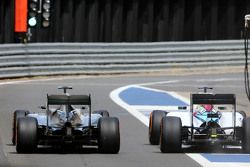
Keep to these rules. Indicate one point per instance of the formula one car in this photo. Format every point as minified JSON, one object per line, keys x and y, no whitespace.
{"x":212,"y":119}
{"x":70,"y":122}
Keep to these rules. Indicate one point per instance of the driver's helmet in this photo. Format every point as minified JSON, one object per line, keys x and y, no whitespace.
{"x":201,"y":112}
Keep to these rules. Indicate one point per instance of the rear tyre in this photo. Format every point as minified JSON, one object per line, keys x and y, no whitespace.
{"x":26,"y":135}
{"x":109,"y":135}
{"x":154,"y":126}
{"x":246,"y":135}
{"x":170,"y":141}
{"x":243,"y":113}
{"x":17,"y":114}
{"x":104,"y":113}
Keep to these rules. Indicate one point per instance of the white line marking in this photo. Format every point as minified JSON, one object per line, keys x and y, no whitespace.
{"x":157,"y":83}
{"x":219,"y":79}
{"x":114,"y":95}
{"x":40,"y":79}
{"x":206,"y":163}
{"x":200,"y":159}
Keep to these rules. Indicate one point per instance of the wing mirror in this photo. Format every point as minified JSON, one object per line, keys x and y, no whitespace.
{"x":222,"y":108}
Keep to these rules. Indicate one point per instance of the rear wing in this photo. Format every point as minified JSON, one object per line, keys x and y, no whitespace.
{"x":68,"y":100}
{"x":213,"y":99}
{"x":199,"y":99}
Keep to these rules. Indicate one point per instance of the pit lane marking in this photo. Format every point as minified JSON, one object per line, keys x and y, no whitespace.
{"x":135,"y":110}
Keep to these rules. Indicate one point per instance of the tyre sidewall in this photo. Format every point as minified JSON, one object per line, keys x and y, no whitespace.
{"x":154,"y":126}
{"x":170,"y":140}
{"x":109,"y":135}
{"x":26,"y":135}
{"x":17,"y":114}
{"x":243,"y":113}
{"x":246,"y":135}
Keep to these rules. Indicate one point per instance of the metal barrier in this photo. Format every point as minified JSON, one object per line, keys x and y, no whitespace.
{"x":36,"y":59}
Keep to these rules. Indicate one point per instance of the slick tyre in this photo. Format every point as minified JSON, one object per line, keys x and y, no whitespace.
{"x":246,"y":135}
{"x":154,"y":126}
{"x":104,"y":113}
{"x":243,"y":113}
{"x":109,"y":135}
{"x":170,"y":141}
{"x":17,"y":114}
{"x":26,"y":135}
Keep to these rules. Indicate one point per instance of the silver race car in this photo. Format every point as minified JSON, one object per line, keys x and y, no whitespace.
{"x":68,"y":120}
{"x":212,"y":119}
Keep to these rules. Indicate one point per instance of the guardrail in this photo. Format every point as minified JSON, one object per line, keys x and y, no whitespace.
{"x":36,"y":59}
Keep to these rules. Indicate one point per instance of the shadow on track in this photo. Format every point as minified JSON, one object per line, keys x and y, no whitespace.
{"x":207,"y":149}
{"x":64,"y":150}
{"x":212,"y":149}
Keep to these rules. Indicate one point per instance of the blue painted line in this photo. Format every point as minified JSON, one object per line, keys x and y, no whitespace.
{"x":243,"y":158}
{"x":139,"y":96}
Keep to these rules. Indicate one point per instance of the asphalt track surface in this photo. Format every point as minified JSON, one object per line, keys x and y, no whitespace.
{"x":135,"y":150}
